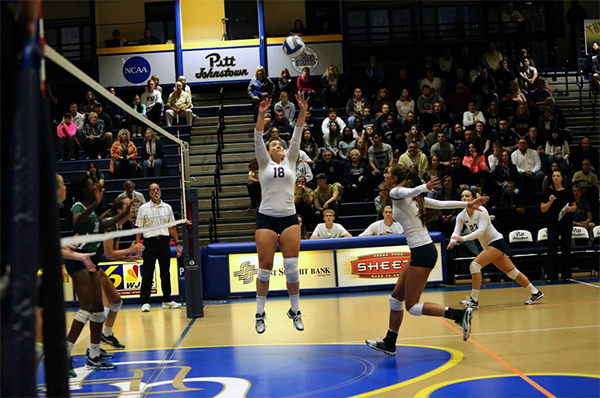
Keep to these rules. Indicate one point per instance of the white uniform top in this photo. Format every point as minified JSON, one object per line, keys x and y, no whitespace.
{"x":479,"y":227}
{"x":406,"y":212}
{"x":151,"y":215}
{"x":379,"y":228}
{"x":336,"y":231}
{"x":277,"y":180}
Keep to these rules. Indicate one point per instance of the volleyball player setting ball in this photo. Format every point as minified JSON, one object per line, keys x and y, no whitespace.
{"x":494,"y":251}
{"x":277,"y":221}
{"x":410,"y":204}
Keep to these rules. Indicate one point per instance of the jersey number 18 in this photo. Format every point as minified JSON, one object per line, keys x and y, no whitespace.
{"x":278,"y":172}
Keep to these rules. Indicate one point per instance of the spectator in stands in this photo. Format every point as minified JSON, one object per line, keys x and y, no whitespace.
{"x":306,"y":84}
{"x":445,"y":220}
{"x":461,"y":175}
{"x":382,"y":200}
{"x":152,"y":154}
{"x":503,"y":78}
{"x":457,"y":103}
{"x":413,"y":157}
{"x":130,"y":193}
{"x":298,"y":29}
{"x":388,"y":127}
{"x":537,"y":97}
{"x":585,"y":151}
{"x":514,"y":94}
{"x":329,"y":229}
{"x":355,"y":180}
{"x":528,"y":164}
{"x":259,"y":85}
{"x":459,"y":77}
{"x":465,"y":60}
{"x":332,"y":117}
{"x":77,"y":118}
{"x":558,"y":151}
{"x":157,"y":86}
{"x":470,"y":137}
{"x":67,"y":139}
{"x":484,"y":88}
{"x":380,"y":156}
{"x":382,"y":118}
{"x":136,"y":127}
{"x":527,"y":74}
{"x":510,"y":19}
{"x":477,"y":166}
{"x":491,"y":59}
{"x":332,"y":139}
{"x":149,"y":38}
{"x":417,"y":136}
{"x":446,"y":64}
{"x":457,"y":135}
{"x":274,"y":136}
{"x":287,"y":107}
{"x":304,"y":199}
{"x":326,"y":195}
{"x":441,"y":116}
{"x":383,"y":98}
{"x":355,"y":105}
{"x":387,"y":226}
{"x":358,"y":130}
{"x":512,"y":208}
{"x":375,"y":75}
{"x":492,"y":117}
{"x":547,"y":123}
{"x":474,"y":73}
{"x":89,"y":100}
{"x":596,"y":72}
{"x":401,"y":82}
{"x":582,"y":217}
{"x":592,"y":52}
{"x":283,"y":126}
{"x":179,"y":104}
{"x":505,"y":172}
{"x":309,"y":146}
{"x":426,"y":100}
{"x":367,"y":118}
{"x":253,"y":185}
{"x":558,"y":116}
{"x":411,"y":120}
{"x":93,"y":140}
{"x":471,"y":116}
{"x":108,"y":126}
{"x":346,"y":144}
{"x":556,"y":198}
{"x":123,"y":153}
{"x":534,"y":141}
{"x":404,"y":105}
{"x":98,"y":179}
{"x":434,"y":169}
{"x":152,"y":99}
{"x":330,"y":167}
{"x":553,"y":167}
{"x":117,"y":116}
{"x":185,"y":87}
{"x":434,"y":82}
{"x":117,"y":39}
{"x":332,"y":87}
{"x":521,"y":123}
{"x":443,"y":149}
{"x":586,"y":179}
{"x":494,"y":158}
{"x":303,"y":167}
{"x":483,"y":138}
{"x":361,"y":144}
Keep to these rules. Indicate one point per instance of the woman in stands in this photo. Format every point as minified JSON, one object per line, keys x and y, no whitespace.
{"x":136,"y":127}
{"x":494,"y":251}
{"x":260,"y":85}
{"x":277,"y":221}
{"x":152,"y":154}
{"x":123,"y":153}
{"x":410,"y":209}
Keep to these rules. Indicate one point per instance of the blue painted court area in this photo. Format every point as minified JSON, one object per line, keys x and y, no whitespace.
{"x":260,"y":371}
{"x":509,"y":386}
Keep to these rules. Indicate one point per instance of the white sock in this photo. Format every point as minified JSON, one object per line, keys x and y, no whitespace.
{"x":295,"y":300}
{"x":107,"y":330}
{"x":106,"y":312}
{"x":475,"y":294}
{"x":94,"y":350}
{"x":69,"y":348}
{"x":260,"y":304}
{"x":532,"y":289}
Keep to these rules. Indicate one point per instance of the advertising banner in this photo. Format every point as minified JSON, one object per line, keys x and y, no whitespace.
{"x":220,"y":64}
{"x":315,"y":267}
{"x":127,"y":277}
{"x":592,"y":32}
{"x":317,"y":57}
{"x":378,"y":265}
{"x":135,"y":69}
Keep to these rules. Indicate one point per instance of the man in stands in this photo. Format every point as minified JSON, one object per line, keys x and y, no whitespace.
{"x":387,"y":226}
{"x":461,"y":175}
{"x":585,"y":151}
{"x":457,"y":103}
{"x":329,"y":229}
{"x":505,"y":137}
{"x":586,"y":178}
{"x":149,"y":38}
{"x":153,"y":101}
{"x":528,"y":164}
{"x":330,"y":167}
{"x":484,"y":88}
{"x":414,"y":157}
{"x":130,"y":193}
{"x":380,"y":156}
{"x":179,"y":103}
{"x":443,"y":149}
{"x":426,"y":100}
{"x":332,"y":117}
{"x":326,"y":196}
{"x":105,"y":117}
{"x":274,"y":134}
{"x":77,"y":118}
{"x":283,"y":126}
{"x":491,"y":59}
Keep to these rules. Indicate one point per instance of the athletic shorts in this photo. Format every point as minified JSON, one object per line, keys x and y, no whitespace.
{"x":276,"y":224}
{"x":424,"y":256}
{"x":73,"y":266}
{"x":501,"y":245}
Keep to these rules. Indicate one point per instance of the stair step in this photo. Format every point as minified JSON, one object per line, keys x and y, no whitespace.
{"x":227,"y":214}
{"x":207,"y":180}
{"x":223,"y":229}
{"x":228,"y":169}
{"x":227,"y":138}
{"x":229,"y":129}
{"x":200,"y":159}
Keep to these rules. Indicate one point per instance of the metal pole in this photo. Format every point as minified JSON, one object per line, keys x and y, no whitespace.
{"x":191,"y":259}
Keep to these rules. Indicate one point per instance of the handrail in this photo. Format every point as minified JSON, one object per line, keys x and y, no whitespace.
{"x":580,"y":83}
{"x":593,"y":97}
{"x":217,"y":181}
{"x":566,"y":70}
{"x":212,"y":227}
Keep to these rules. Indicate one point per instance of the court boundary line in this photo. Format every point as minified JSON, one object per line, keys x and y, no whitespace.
{"x":427,"y":391}
{"x":502,"y":361}
{"x":585,"y":283}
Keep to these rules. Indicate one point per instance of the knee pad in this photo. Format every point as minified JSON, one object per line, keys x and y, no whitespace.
{"x":263,"y":275}
{"x":83,"y":316}
{"x":416,"y":310}
{"x":396,"y":305}
{"x":116,"y":307}
{"x":291,"y":269}
{"x":475,"y":268}
{"x":97,"y":317}
{"x":513,"y":274}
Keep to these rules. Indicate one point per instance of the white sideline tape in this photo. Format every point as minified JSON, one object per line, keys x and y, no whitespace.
{"x":79,"y":239}
{"x":584,"y":283}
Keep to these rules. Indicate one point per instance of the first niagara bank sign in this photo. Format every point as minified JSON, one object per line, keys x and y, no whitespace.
{"x":221,"y":65}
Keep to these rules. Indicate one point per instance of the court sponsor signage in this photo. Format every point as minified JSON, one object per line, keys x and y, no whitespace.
{"x":127,"y":277}
{"x":137,"y":70}
{"x":317,"y":57}
{"x":316,"y":270}
{"x":378,"y":265}
{"x":124,"y":70}
{"x":220,"y":65}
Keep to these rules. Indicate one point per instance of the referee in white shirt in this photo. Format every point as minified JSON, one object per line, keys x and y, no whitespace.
{"x":156,"y":243}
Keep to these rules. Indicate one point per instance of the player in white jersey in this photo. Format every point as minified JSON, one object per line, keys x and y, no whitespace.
{"x":277,"y":221}
{"x":387,"y":226}
{"x":494,"y":251}
{"x":410,"y":203}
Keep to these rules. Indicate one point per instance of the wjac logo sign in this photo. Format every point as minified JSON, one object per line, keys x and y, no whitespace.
{"x":127,"y":278}
{"x":136,"y":70}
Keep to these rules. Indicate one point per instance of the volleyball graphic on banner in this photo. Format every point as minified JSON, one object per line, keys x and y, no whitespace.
{"x":293,"y":46}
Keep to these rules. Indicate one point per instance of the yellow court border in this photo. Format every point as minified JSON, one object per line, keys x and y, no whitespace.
{"x":426,"y":392}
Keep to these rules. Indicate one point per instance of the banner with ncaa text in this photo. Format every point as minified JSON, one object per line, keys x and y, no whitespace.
{"x":315,"y":267}
{"x":378,"y":265}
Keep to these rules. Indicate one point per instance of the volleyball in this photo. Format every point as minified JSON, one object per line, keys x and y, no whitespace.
{"x":293,"y":46}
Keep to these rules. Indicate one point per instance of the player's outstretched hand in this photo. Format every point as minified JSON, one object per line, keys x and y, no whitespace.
{"x":478,"y":202}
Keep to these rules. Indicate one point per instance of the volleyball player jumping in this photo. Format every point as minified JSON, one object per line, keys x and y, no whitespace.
{"x":277,"y":221}
{"x":410,"y":203}
{"x":494,"y":251}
